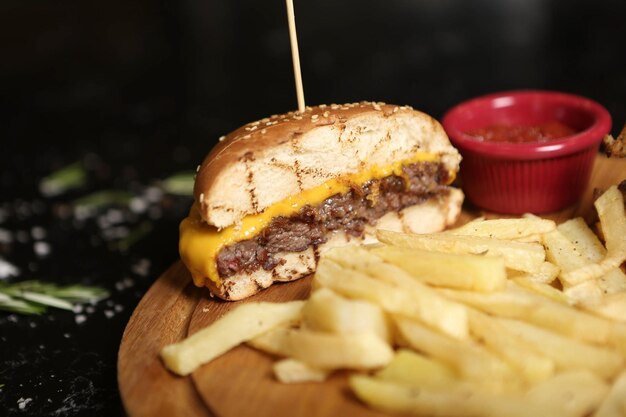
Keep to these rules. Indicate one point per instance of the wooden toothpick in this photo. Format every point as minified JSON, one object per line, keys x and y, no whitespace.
{"x":295,"y":55}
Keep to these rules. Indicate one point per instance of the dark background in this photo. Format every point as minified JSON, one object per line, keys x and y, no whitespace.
{"x":139,"y":90}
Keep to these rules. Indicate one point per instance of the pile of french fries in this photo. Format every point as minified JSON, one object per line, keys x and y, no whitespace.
{"x":508,"y":317}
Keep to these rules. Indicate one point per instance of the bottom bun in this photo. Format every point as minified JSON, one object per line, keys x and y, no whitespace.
{"x":431,"y":216}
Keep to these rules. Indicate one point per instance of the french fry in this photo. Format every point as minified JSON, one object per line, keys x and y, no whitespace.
{"x":567,"y":354}
{"x":587,"y":293}
{"x":520,"y":304}
{"x":562,"y":252}
{"x":508,"y":229}
{"x":612,"y":307}
{"x":326,"y":350}
{"x":546,"y":273}
{"x":577,"y":392}
{"x":452,"y":401}
{"x":582,"y":237}
{"x":592,"y":292}
{"x":329,"y":312}
{"x":472,"y":361}
{"x":237,"y":326}
{"x":291,"y":371}
{"x":614,"y":404}
{"x":424,"y":304}
{"x":542,"y":289}
{"x":612,"y":282}
{"x":590,"y":247}
{"x":532,"y":366}
{"x":472,"y":272}
{"x":412,"y":368}
{"x":517,"y":255}
{"x":617,"y":338}
{"x":610,"y":208}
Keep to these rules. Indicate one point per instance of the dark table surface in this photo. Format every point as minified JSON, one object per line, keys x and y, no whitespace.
{"x":135,"y":92}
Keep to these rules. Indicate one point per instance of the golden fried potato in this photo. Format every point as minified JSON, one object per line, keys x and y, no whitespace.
{"x":326,"y":350}
{"x":329,"y":312}
{"x":414,"y":300}
{"x":524,"y":228}
{"x":237,"y":326}
{"x":577,"y":392}
{"x":452,"y":401}
{"x":465,"y":271}
{"x":292,"y":371}
{"x":520,"y":256}
{"x":412,"y":368}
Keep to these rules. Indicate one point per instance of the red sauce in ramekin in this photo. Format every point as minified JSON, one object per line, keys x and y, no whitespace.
{"x":543,"y":132}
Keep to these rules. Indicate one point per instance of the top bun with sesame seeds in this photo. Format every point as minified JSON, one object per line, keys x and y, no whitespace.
{"x":274,"y":192}
{"x":266,"y":161}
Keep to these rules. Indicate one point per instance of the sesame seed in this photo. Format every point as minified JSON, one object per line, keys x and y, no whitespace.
{"x":247,"y":137}
{"x":265,"y":120}
{"x":255,"y":123}
{"x":222,"y":138}
{"x":315,"y":116}
{"x":263,"y":131}
{"x":198,"y":168}
{"x":395,"y":109}
{"x":326,"y":113}
{"x":201,"y":198}
{"x":322,"y":106}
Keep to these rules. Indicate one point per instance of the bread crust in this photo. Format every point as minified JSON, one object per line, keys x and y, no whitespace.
{"x":268,"y":160}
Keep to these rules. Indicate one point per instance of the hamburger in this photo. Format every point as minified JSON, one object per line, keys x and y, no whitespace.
{"x":275,"y":193}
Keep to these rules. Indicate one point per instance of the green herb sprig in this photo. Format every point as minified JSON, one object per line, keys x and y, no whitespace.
{"x":180,"y":183}
{"x":103,"y":198}
{"x":67,"y":178}
{"x":34,"y":297}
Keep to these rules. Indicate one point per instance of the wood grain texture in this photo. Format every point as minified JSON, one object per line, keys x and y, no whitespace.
{"x":162,"y":317}
{"x":240,"y":383}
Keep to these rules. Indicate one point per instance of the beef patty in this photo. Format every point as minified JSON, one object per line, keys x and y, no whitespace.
{"x":350,"y":212}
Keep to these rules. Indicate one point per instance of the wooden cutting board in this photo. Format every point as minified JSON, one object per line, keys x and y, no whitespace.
{"x":240,"y":383}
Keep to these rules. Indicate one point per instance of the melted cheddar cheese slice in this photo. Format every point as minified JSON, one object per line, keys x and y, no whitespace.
{"x":200,"y":243}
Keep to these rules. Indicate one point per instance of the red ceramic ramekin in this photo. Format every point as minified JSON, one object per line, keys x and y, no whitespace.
{"x":534,"y":177}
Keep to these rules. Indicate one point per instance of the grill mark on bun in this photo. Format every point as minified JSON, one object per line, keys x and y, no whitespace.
{"x":258,"y":285}
{"x":405,"y":227}
{"x":275,"y":274}
{"x":298,"y":173}
{"x":254,"y":201}
{"x":382,"y":141}
{"x":342,"y":129}
{"x":316,"y":254}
